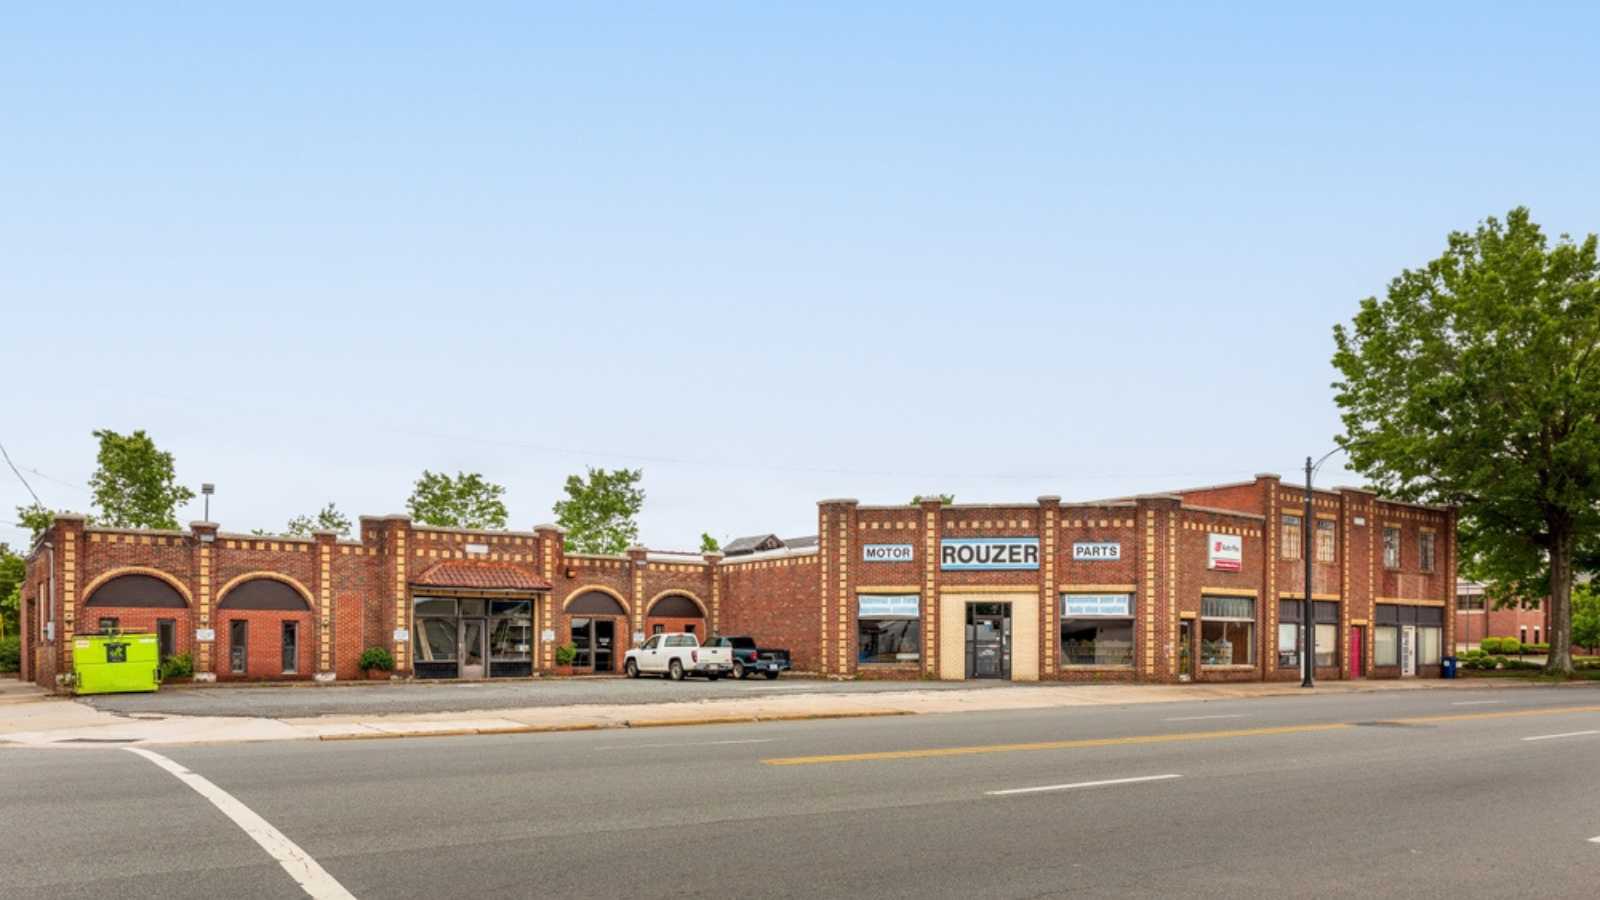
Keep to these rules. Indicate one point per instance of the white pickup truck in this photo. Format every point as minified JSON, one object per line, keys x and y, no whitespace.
{"x":676,"y":655}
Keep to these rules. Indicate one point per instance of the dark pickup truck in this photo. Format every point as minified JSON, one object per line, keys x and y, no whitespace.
{"x":749,"y":659}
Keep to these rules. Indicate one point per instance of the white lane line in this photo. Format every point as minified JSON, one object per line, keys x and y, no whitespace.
{"x":1080,"y":784}
{"x":312,"y":878}
{"x":685,"y":744}
{"x":1551,"y":737}
{"x":1476,"y":702}
{"x":1198,"y":718}
{"x":1594,"y":840}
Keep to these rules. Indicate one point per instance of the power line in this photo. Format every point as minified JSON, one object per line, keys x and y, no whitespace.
{"x":24,"y":481}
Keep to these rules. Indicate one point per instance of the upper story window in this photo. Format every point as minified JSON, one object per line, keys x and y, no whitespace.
{"x":1327,"y":540}
{"x":1391,"y":548}
{"x":1469,"y":602}
{"x":1425,"y":547}
{"x":1291,"y":537}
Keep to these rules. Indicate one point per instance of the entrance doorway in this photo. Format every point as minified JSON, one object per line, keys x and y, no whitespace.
{"x":595,"y":640}
{"x":988,"y":640}
{"x":1186,"y":650}
{"x":1358,"y":646}
{"x":1408,"y":650}
{"x":472,"y":634}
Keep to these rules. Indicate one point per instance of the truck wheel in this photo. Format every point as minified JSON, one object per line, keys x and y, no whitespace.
{"x":772,"y":676}
{"x":632,"y":669}
{"x":675,"y":670}
{"x":739,"y":672}
{"x":713,"y":676}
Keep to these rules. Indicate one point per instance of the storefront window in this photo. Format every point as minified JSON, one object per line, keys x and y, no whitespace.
{"x":1386,"y":645}
{"x":1227,"y":631}
{"x":510,"y":637}
{"x":888,"y":628}
{"x":1097,"y":630}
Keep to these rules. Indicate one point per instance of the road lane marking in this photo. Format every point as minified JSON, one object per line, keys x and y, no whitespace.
{"x":1594,"y":840}
{"x":1173,"y":737}
{"x":1551,"y":737}
{"x":1476,"y":702}
{"x":1199,"y":718}
{"x":684,"y":744}
{"x":1080,"y":784}
{"x":311,"y":877}
{"x":1052,"y":745}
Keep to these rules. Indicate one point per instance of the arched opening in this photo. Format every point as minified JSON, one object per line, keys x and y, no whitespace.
{"x":265,"y":626}
{"x":140,"y":601}
{"x":597,"y":625}
{"x":673,"y":612}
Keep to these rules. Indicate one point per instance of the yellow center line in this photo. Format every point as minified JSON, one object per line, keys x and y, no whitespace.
{"x":1169,"y":738}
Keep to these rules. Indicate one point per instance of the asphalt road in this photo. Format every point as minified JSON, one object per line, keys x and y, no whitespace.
{"x":452,"y":696}
{"x":1423,"y":794}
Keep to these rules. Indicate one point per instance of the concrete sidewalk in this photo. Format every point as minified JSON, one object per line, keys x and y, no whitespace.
{"x":54,"y":722}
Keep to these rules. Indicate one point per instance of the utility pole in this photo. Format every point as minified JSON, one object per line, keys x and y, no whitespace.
{"x":1308,"y":630}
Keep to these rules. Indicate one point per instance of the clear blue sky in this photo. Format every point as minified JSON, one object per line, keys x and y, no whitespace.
{"x":770,"y":255}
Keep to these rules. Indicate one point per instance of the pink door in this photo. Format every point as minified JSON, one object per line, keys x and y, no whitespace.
{"x":1358,"y":643}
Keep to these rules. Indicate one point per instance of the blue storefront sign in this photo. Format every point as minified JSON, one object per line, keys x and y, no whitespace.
{"x":969,"y":554}
{"x":888,"y":606}
{"x":1096,"y":605}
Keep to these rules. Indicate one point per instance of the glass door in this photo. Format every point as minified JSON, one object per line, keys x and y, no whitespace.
{"x":583,"y":640}
{"x":989,"y":640}
{"x":291,"y":647}
{"x":472,"y":634}
{"x":604,"y":645}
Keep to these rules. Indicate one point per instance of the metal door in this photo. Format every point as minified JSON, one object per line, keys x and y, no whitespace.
{"x":1358,"y":647}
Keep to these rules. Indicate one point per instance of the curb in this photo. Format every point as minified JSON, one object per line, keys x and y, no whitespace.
{"x":631,"y":723}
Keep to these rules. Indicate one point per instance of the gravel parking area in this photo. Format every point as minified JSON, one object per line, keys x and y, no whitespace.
{"x":426,"y":697}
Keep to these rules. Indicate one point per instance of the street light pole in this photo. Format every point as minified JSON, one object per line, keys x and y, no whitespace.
{"x":1308,"y":628}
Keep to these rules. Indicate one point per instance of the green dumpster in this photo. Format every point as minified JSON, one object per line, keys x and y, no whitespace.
{"x":116,"y":662}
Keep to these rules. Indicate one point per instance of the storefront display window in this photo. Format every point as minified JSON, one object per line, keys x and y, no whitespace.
{"x":1227,"y":631}
{"x":888,"y":628}
{"x":1097,"y":630}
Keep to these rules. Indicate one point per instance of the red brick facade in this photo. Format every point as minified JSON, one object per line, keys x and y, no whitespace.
{"x":1151,"y":554}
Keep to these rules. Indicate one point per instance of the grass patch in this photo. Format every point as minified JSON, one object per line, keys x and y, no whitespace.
{"x":1531,"y":675}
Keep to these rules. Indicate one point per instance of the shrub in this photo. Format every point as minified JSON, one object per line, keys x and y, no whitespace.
{"x":1537,"y":648}
{"x":376,"y":658}
{"x":1490,"y":645}
{"x":180,"y":666}
{"x":1522,"y":664}
{"x":11,"y":653}
{"x":566,"y":653}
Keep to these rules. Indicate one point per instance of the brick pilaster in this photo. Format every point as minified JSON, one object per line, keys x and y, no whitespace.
{"x":205,"y":550}
{"x":637,"y":564}
{"x":1049,"y":514}
{"x":713,"y":563}
{"x":931,"y":512}
{"x":552,"y":565}
{"x":322,"y":589}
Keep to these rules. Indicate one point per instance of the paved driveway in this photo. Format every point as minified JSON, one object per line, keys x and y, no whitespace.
{"x":426,"y":697}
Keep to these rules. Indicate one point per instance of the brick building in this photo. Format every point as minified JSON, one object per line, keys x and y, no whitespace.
{"x":1194,"y":584}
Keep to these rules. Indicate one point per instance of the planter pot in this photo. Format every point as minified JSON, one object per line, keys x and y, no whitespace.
{"x":562,"y":670}
{"x":377,"y":674}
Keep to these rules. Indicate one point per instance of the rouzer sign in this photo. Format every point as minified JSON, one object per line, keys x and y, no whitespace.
{"x":1224,"y":552}
{"x":959,"y":554}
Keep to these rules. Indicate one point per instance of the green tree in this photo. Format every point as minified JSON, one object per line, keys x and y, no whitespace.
{"x":134,"y":486}
{"x":35,"y":518}
{"x":1586,"y":616}
{"x":329,"y":518}
{"x":13,"y":570}
{"x":599,"y":511}
{"x":709,"y":544}
{"x":466,"y":501}
{"x":1476,"y":382}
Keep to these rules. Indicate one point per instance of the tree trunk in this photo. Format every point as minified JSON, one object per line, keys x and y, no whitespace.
{"x":1560,"y":636}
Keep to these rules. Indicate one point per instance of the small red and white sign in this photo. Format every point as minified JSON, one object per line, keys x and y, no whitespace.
{"x":1225,"y":552}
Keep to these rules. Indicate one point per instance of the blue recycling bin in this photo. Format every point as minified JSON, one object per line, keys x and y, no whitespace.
{"x":1449,"y":669}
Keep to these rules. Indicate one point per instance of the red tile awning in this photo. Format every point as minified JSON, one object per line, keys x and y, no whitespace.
{"x":467,"y":574}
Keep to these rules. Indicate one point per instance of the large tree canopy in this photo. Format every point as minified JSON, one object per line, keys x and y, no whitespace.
{"x":1476,"y":382}
{"x":134,"y":485}
{"x":599,"y":511}
{"x":466,"y":501}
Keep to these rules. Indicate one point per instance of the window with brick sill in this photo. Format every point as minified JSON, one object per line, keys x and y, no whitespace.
{"x":1291,"y":537}
{"x":1391,"y":548}
{"x":1327,"y":541}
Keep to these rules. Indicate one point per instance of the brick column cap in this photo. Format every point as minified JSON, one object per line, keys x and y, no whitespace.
{"x":388,"y":517}
{"x":713,"y":556}
{"x":325,"y":534}
{"x":1268,"y":476}
{"x":548,"y":527}
{"x":839,"y":501}
{"x":1049,"y":500}
{"x":70,"y":517}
